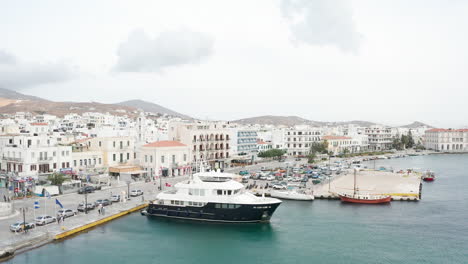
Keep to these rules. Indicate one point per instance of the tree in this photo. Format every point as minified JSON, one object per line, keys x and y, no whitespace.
{"x":319,"y":147}
{"x":271,"y":153}
{"x":345,"y":151}
{"x":397,"y":143}
{"x":410,"y":140}
{"x":311,"y":157}
{"x":56,"y":178}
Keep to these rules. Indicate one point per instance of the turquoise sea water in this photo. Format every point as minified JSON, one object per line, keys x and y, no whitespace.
{"x":434,"y":230}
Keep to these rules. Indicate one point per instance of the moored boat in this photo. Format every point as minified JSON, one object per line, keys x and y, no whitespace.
{"x":293,"y":194}
{"x":365,"y":198}
{"x":428,"y":176}
{"x":212,"y":196}
{"x":361,"y":198}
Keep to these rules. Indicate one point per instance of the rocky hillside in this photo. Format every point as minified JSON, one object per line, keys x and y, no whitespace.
{"x":152,"y":107}
{"x":295,"y":120}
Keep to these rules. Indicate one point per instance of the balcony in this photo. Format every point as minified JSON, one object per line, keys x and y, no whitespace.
{"x":44,"y":160}
{"x":13,"y":159}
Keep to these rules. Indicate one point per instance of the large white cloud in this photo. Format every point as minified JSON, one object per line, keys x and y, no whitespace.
{"x":322,"y":22}
{"x":140,"y":53}
{"x":16,"y":74}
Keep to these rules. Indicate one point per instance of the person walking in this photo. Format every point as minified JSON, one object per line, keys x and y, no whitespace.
{"x":99,"y":208}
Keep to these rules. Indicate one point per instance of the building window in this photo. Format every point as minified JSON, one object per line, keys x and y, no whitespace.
{"x":113,"y":144}
{"x":162,"y":159}
{"x":173,"y":158}
{"x":74,"y":163}
{"x":146,"y":158}
{"x":128,"y":156}
{"x":151,"y":158}
{"x":185,"y":157}
{"x":99,"y":160}
{"x":113,"y":156}
{"x":100,"y":144}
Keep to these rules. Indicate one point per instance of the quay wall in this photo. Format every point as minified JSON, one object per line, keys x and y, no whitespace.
{"x":97,"y":222}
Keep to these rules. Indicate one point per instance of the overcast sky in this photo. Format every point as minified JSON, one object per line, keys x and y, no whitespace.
{"x":387,"y":61}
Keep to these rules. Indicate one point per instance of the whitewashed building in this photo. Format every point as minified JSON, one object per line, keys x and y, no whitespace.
{"x":446,"y":140}
{"x":165,"y":158}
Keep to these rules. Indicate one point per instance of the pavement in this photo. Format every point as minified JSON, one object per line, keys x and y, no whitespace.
{"x":71,"y":201}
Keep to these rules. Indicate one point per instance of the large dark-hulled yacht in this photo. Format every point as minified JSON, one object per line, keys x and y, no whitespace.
{"x":212,"y":196}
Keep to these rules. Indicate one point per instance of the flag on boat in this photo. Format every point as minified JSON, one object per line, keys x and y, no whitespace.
{"x":36,"y":204}
{"x":58,"y":202}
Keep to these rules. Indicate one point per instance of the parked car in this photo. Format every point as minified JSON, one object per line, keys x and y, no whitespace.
{"x":103,"y":202}
{"x":86,"y":189}
{"x":270,"y":178}
{"x":134,"y":193}
{"x":89,"y":206}
{"x":279,"y":187}
{"x":20,"y":226}
{"x":244,"y":172}
{"x":45,"y":219}
{"x":115,"y":198}
{"x":65,"y":213}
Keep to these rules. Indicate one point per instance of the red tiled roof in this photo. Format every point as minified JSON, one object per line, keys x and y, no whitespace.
{"x":334,"y":137}
{"x":39,"y":124}
{"x":165,"y":144}
{"x":446,"y":130}
{"x":261,"y":142}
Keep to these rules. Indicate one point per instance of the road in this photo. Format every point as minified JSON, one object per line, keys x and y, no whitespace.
{"x":71,"y":201}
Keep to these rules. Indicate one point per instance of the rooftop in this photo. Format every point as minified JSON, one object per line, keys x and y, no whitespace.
{"x":39,"y":124}
{"x":165,"y":144}
{"x":335,"y":137}
{"x":447,"y":130}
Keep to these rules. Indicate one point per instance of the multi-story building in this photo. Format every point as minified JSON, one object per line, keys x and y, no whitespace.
{"x":298,"y":140}
{"x":115,"y":150}
{"x":208,"y":141}
{"x":380,"y":138}
{"x":33,"y":156}
{"x":263,"y":146}
{"x":243,"y":141}
{"x":165,"y":158}
{"x":446,"y":140}
{"x":340,"y":144}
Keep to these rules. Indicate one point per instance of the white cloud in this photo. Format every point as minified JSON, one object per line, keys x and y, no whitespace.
{"x":16,"y":74}
{"x":140,"y":53}
{"x":322,"y":22}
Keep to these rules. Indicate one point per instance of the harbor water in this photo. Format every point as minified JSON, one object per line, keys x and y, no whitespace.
{"x":433,"y":230}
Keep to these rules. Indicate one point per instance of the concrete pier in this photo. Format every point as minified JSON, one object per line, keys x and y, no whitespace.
{"x":400,"y":186}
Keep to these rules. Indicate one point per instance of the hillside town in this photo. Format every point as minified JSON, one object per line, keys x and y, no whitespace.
{"x":100,"y":147}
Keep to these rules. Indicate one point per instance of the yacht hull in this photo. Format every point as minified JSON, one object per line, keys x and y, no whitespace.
{"x":243,"y":214}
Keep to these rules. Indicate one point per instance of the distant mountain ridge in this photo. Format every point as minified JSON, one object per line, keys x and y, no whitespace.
{"x":290,"y":121}
{"x":152,"y":107}
{"x":416,"y":124}
{"x":9,"y":94}
{"x":12,"y":102}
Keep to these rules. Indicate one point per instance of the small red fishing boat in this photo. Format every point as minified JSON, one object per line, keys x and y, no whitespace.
{"x":428,"y":176}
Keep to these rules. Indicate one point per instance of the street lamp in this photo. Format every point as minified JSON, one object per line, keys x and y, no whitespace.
{"x":128,"y":190}
{"x":86,"y":202}
{"x":25,"y":229}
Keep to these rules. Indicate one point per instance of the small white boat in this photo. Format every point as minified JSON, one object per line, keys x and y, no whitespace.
{"x":293,"y":194}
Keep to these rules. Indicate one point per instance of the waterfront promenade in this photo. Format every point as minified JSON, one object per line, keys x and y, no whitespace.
{"x":44,"y":234}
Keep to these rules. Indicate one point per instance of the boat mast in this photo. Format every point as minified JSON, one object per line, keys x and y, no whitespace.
{"x":355,"y":181}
